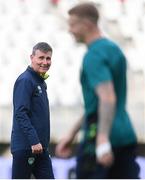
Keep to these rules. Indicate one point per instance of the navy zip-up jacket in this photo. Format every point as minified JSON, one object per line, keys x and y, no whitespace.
{"x":31,"y":119}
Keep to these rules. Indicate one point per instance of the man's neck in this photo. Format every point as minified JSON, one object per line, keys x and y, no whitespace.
{"x":92,"y":36}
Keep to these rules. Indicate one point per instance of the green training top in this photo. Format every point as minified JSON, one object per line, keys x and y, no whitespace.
{"x":104,"y":61}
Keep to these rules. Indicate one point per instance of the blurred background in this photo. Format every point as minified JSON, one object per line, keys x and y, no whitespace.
{"x":23,"y":23}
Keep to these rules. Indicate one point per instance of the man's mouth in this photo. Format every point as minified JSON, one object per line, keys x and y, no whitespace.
{"x":44,"y":67}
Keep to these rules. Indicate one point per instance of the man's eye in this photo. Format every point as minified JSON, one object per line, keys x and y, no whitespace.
{"x":41,"y":58}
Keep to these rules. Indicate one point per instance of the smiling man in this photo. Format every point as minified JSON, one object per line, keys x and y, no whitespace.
{"x":31,"y":120}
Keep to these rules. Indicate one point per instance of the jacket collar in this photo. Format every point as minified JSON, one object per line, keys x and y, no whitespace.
{"x":35,"y":74}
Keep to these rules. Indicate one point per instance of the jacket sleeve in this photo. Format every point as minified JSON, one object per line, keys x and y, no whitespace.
{"x":22,"y":103}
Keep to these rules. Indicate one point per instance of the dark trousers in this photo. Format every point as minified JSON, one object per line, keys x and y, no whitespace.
{"x":25,"y":164}
{"x":124,"y":166}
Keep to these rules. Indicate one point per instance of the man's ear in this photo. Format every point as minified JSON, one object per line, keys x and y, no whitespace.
{"x":31,"y":56}
{"x":87,"y":24}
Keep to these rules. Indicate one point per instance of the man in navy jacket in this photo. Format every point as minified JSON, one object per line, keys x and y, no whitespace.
{"x":31,"y":120}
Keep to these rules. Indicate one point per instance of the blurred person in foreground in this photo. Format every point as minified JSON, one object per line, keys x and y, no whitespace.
{"x":108,"y":147}
{"x":31,"y":119}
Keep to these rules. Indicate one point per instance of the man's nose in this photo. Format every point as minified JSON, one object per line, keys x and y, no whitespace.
{"x":45,"y":61}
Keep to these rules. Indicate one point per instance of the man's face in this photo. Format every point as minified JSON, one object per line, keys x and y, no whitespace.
{"x":41,"y":61}
{"x":77,"y":28}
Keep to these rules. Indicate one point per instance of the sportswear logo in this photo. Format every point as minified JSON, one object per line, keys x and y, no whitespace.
{"x":39,"y":89}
